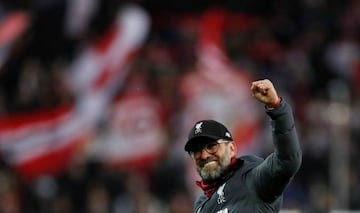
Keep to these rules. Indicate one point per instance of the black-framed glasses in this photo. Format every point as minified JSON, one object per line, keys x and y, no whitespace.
{"x":210,"y":148}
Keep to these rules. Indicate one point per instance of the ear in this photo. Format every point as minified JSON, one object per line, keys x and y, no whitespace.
{"x":233,"y":149}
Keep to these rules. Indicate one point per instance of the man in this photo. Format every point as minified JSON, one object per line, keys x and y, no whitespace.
{"x":248,"y":183}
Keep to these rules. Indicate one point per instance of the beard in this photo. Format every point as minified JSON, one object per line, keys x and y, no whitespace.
{"x":212,"y":168}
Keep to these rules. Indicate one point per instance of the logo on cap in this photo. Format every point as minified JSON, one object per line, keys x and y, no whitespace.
{"x":198,"y":128}
{"x":227,"y":134}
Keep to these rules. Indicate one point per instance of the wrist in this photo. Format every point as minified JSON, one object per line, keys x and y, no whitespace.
{"x":274,"y":105}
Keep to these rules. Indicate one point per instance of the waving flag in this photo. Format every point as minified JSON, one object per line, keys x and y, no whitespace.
{"x":135,"y":137}
{"x":217,"y":89}
{"x":41,"y":143}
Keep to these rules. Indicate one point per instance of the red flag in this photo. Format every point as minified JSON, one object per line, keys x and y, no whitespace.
{"x":40,"y":143}
{"x":136,"y":134}
{"x":217,"y":89}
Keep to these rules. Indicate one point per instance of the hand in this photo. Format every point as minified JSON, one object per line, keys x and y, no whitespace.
{"x":264,"y":91}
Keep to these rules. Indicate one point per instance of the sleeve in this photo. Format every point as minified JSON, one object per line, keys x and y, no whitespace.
{"x":271,"y":177}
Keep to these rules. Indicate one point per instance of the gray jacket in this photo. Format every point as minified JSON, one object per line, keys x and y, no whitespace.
{"x":257,"y":185}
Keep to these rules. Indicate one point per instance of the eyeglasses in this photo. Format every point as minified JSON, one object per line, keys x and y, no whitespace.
{"x":210,"y":148}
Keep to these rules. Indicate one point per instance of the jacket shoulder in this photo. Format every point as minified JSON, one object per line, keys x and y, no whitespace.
{"x":251,"y":158}
{"x":249,"y":162}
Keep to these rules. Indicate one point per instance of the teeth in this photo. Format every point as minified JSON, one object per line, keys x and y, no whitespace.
{"x":209,"y":163}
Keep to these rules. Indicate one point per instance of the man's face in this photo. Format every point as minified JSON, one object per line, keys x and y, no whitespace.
{"x":210,"y":166}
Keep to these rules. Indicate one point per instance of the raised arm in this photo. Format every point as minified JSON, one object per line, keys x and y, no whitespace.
{"x":273,"y":175}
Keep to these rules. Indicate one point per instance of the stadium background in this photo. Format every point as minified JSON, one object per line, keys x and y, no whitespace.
{"x":111,"y":139}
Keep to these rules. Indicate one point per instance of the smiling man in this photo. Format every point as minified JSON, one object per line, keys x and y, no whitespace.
{"x":249,"y":183}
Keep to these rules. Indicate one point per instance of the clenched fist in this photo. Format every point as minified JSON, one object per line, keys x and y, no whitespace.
{"x":264,"y":91}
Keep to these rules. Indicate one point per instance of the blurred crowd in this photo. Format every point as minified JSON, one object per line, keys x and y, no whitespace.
{"x":310,"y":49}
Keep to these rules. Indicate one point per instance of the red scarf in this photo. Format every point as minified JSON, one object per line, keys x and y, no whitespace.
{"x":210,"y":188}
